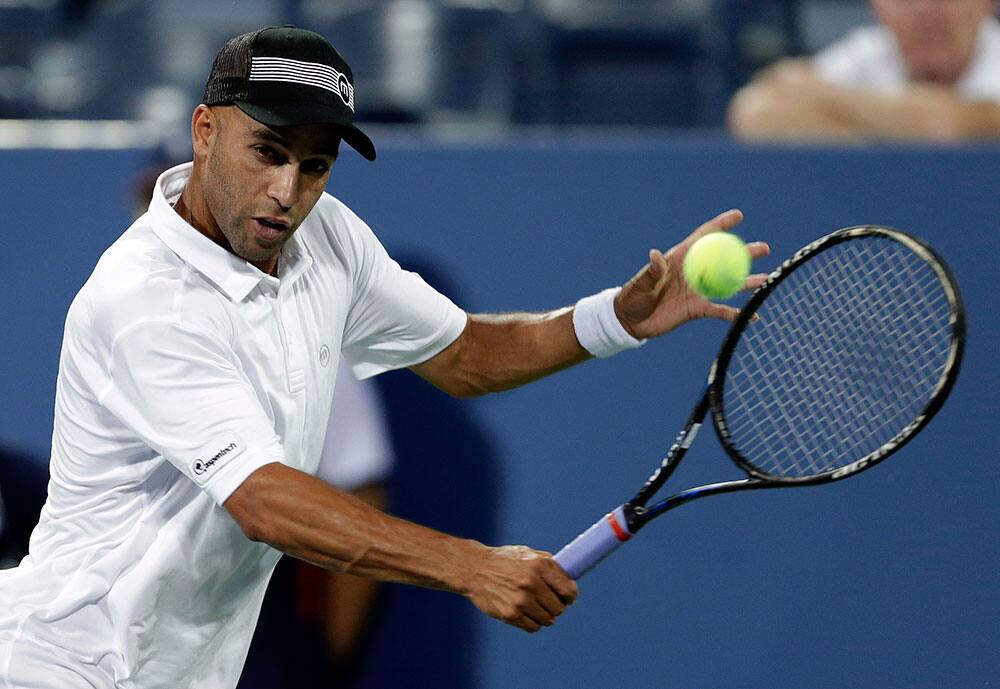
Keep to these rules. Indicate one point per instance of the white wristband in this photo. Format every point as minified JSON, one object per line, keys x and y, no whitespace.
{"x":597,"y":326}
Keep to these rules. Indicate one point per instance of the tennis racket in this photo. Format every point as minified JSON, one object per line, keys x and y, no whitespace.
{"x":858,"y":344}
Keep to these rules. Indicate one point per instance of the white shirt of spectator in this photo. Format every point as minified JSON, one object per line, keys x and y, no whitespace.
{"x":869,"y":57}
{"x":358,"y":448}
{"x":184,"y":369}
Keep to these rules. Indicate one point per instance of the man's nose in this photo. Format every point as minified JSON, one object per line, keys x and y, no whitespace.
{"x":284,"y":187}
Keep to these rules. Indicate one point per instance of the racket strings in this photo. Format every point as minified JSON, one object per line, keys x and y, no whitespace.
{"x":850,"y":348}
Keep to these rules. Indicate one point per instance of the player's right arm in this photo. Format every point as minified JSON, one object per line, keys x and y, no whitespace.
{"x":307,"y":518}
{"x":179,"y":386}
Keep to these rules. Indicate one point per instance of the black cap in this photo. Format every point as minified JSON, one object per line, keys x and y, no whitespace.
{"x":281,"y":76}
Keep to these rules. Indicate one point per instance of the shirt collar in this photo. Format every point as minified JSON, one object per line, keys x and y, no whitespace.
{"x":227,"y":271}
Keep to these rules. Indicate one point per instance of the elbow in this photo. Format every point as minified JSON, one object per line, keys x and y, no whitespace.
{"x":469,"y":392}
{"x":465,"y":386}
{"x":254,"y":529}
{"x":249,"y":521}
{"x":473,"y":376}
{"x":245,"y":507}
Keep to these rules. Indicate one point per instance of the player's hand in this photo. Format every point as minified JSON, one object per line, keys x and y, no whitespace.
{"x":523,"y":587}
{"x":657,"y":299}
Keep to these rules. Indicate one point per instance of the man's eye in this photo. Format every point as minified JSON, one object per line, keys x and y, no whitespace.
{"x":317,"y":168}
{"x":266,"y":152}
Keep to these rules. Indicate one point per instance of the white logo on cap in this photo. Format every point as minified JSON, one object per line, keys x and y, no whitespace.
{"x":299,"y":72}
{"x":346,"y":92}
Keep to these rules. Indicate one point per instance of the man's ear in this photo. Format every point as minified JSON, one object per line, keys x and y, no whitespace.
{"x":204,"y":128}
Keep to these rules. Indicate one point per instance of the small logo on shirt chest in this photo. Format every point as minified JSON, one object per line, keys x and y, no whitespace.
{"x":324,"y":356}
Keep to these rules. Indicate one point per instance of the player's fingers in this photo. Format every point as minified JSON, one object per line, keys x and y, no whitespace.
{"x":648,"y":278}
{"x":545,"y":594}
{"x":657,"y":264}
{"x":526,"y":623}
{"x":551,"y":603}
{"x":561,"y":583}
{"x":538,"y":610}
{"x":721,"y":311}
{"x":754,"y":281}
{"x":721,"y":223}
{"x":758,"y":249}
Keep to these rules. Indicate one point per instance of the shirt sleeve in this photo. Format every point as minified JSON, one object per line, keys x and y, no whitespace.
{"x":183,"y":392}
{"x":357,"y":450}
{"x":396,"y":319}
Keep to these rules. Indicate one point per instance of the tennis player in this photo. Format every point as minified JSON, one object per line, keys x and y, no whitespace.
{"x":194,"y":387}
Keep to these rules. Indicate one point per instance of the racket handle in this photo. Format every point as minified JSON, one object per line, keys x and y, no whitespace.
{"x":594,"y":544}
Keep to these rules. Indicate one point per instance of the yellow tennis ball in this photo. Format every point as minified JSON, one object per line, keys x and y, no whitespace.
{"x":716,"y":265}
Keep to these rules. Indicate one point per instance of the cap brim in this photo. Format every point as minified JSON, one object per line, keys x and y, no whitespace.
{"x":288,"y":114}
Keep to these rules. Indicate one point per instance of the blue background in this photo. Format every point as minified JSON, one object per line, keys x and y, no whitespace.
{"x":890,"y":580}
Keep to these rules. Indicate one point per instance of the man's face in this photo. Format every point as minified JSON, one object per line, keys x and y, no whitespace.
{"x":937,"y":37}
{"x":259,"y":183}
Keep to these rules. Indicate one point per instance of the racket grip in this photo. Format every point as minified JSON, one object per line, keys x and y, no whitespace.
{"x":594,"y":544}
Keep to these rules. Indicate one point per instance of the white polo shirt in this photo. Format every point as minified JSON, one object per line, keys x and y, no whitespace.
{"x":184,"y":369}
{"x":869,"y":57}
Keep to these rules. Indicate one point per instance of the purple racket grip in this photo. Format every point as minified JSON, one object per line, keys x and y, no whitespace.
{"x":594,"y":544}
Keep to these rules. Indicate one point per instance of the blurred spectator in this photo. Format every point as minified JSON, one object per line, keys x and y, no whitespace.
{"x":930,"y":70}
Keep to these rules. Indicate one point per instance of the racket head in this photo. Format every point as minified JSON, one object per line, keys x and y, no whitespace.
{"x":861,"y":335}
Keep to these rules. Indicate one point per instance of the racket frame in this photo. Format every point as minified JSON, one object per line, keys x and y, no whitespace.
{"x":608,"y":533}
{"x":636,"y":511}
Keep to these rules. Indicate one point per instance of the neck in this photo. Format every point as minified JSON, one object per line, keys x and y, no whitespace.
{"x":191,"y":207}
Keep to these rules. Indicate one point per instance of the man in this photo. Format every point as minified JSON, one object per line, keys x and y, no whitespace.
{"x":930,"y":71}
{"x":195,"y":380}
{"x":357,"y":457}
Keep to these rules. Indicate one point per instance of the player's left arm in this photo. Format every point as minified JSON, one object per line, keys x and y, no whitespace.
{"x":502,"y":351}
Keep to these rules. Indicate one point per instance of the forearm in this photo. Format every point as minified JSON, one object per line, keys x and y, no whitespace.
{"x":309,"y":519}
{"x":502,"y":351}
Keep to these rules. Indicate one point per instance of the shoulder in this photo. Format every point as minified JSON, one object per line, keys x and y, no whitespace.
{"x":333,"y":231}
{"x":140,"y":280}
{"x":334,"y":219}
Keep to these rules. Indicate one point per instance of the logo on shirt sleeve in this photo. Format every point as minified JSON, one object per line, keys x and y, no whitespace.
{"x":214,"y":456}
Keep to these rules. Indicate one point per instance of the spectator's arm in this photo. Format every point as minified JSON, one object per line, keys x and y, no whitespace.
{"x":789,"y":101}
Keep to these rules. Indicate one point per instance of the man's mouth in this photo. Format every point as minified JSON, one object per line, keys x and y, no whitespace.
{"x":271,"y":228}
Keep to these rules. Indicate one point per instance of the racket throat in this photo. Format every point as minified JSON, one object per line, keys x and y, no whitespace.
{"x":635,"y":517}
